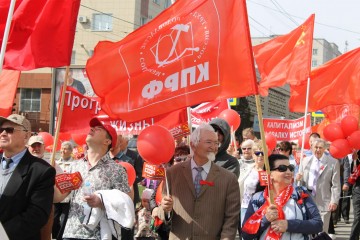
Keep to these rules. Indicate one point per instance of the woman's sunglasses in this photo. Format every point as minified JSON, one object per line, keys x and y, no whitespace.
{"x":180,"y":158}
{"x":284,"y":168}
{"x":259,"y":153}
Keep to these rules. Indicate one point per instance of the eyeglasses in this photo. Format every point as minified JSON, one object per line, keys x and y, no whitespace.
{"x":10,"y":130}
{"x":211,"y":143}
{"x":281,"y":149}
{"x":259,"y":153}
{"x":246,"y":149}
{"x":180,"y":158}
{"x":284,"y":168}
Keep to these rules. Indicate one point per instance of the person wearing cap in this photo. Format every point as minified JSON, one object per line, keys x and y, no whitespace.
{"x":144,"y":217}
{"x":26,"y":182}
{"x":223,"y":159}
{"x":36,"y":147}
{"x":99,"y":172}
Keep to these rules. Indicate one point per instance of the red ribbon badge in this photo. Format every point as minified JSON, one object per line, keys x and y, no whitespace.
{"x":202,"y":182}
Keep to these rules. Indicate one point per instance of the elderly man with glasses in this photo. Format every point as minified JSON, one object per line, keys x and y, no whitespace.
{"x":320,"y":173}
{"x":26,"y":184}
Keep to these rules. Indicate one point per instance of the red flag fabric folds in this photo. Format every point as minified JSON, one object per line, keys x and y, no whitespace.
{"x":195,"y":51}
{"x":285,"y":59}
{"x":8,"y":85}
{"x":41,"y":34}
{"x":336,"y":82}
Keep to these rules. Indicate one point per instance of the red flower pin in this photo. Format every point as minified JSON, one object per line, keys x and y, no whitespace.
{"x":322,"y":167}
{"x":202,"y":182}
{"x":302,"y":197}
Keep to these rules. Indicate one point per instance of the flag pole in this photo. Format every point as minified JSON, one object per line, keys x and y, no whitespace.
{"x":188,"y":111}
{"x":6,"y":33}
{"x":263,"y":142}
{"x":59,"y":118}
{"x":305,"y":120}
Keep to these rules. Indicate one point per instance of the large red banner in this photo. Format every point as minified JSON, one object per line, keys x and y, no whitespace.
{"x":285,"y":129}
{"x":79,"y":109}
{"x":193,"y":52}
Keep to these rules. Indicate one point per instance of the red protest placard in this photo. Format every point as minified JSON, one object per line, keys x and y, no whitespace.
{"x":153,"y":172}
{"x":263,"y":178}
{"x":68,"y":181}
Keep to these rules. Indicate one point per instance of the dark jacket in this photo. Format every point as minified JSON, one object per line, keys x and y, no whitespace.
{"x":27,"y":198}
{"x":223,"y":159}
{"x":312,"y":223}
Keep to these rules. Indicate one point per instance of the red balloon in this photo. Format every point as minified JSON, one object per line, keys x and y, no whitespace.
{"x":79,"y":138}
{"x":339,"y":148}
{"x":270,"y":141}
{"x":130,"y":170}
{"x":349,"y":124}
{"x":47,"y":137}
{"x":306,"y":144}
{"x":354,"y":139}
{"x":232,"y":117}
{"x":156,"y":145}
{"x":64,"y":136}
{"x":333,"y":132}
{"x":158,"y":196}
{"x":50,"y":148}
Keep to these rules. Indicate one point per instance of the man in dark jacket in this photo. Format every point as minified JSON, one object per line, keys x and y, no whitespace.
{"x":27,"y":182}
{"x":223,"y":159}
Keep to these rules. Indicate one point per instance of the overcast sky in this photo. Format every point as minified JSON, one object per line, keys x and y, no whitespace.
{"x":336,"y":21}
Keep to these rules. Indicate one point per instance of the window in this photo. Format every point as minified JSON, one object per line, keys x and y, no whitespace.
{"x":102,"y":22}
{"x":143,"y":20}
{"x":314,"y":63}
{"x":167,"y":3}
{"x":157,"y":2}
{"x":315,"y":51}
{"x":30,"y":100}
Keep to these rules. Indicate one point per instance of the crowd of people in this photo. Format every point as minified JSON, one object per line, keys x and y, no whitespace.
{"x":213,"y":189}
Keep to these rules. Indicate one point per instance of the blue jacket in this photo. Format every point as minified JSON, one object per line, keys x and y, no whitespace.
{"x":311,"y":224}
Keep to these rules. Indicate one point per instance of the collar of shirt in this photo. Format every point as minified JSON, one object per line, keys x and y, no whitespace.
{"x":16,"y":158}
{"x":206,"y":169}
{"x":102,"y":160}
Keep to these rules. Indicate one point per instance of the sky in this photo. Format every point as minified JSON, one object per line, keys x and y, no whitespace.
{"x":337,"y":21}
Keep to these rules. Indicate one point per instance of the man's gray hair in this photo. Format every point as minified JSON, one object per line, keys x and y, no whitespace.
{"x":320,"y":140}
{"x":67,"y":144}
{"x":195,"y":135}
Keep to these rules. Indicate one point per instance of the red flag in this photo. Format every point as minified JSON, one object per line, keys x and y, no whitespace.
{"x":41,"y":35}
{"x":336,"y":82}
{"x":195,"y":51}
{"x":8,"y":84}
{"x":285,"y":59}
{"x":206,"y":112}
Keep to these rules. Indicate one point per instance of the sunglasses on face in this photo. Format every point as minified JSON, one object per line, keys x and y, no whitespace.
{"x":284,"y":168}
{"x":259,"y":153}
{"x":180,"y":158}
{"x":10,"y":130}
{"x":246,"y":149}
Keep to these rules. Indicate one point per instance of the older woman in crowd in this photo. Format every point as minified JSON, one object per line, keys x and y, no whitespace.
{"x":246,"y":159}
{"x":249,"y":178}
{"x":294,"y":214}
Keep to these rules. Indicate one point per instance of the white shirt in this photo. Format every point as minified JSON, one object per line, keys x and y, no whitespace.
{"x":314,"y":172}
{"x":204,"y":173}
